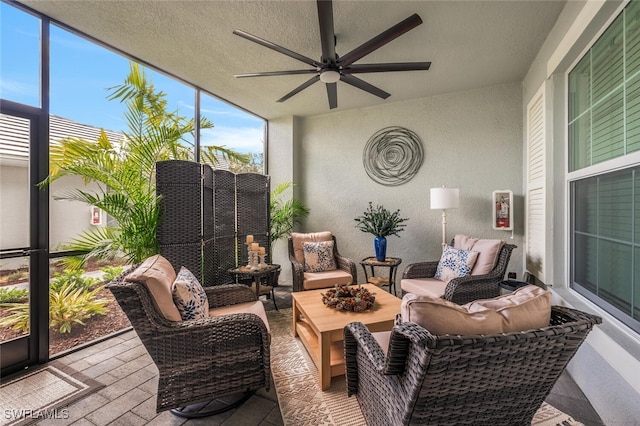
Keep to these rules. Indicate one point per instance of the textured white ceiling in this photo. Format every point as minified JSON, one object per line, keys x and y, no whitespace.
{"x":470,"y":44}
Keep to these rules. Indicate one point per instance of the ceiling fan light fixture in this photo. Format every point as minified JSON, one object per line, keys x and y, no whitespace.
{"x":329,"y":76}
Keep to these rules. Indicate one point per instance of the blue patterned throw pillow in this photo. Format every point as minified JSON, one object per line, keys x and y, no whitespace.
{"x":189,"y":296}
{"x":318,"y":256}
{"x":455,"y":263}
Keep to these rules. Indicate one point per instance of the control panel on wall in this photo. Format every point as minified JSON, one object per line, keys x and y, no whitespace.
{"x":503,"y":210}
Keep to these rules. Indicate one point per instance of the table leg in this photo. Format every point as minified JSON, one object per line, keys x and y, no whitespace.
{"x":325,"y":361}
{"x":295,"y":314}
{"x":256,"y":280}
{"x":392,"y":280}
{"x":366,"y":276}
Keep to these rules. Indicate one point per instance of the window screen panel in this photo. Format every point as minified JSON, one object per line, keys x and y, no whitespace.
{"x":607,"y":63}
{"x":614,"y":274}
{"x":632,"y":38}
{"x":586,"y":262}
{"x":632,"y":111}
{"x":608,"y":128}
{"x":580,"y":142}
{"x":615,"y":206}
{"x":580,"y":88}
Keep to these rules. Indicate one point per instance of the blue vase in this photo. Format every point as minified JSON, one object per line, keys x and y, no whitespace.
{"x":380,"y":244}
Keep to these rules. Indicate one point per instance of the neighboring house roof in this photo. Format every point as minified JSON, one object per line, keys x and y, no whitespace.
{"x":14,"y":137}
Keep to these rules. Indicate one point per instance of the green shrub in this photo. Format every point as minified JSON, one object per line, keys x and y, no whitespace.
{"x":110,"y":272}
{"x":72,"y":277}
{"x":18,"y":318}
{"x":71,"y":305}
{"x":68,"y":305}
{"x":13,"y":295}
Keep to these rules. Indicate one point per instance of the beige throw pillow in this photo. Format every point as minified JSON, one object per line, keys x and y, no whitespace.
{"x":488,"y":252}
{"x":298,"y":239}
{"x":318,"y":256}
{"x":525,"y":309}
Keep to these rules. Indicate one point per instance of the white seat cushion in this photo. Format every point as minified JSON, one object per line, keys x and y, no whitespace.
{"x":242,"y":308}
{"x":314,"y":280}
{"x":429,"y":286}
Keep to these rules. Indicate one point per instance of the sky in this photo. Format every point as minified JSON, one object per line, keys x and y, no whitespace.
{"x":81,"y":73}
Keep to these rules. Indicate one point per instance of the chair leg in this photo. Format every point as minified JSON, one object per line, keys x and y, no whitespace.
{"x":213,"y":407}
{"x":273,"y":297}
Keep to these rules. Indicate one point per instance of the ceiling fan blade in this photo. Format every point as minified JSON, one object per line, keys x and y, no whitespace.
{"x":277,"y":48}
{"x":399,"y":66}
{"x":299,"y":88}
{"x":363,"y":85}
{"x":327,"y":34}
{"x":332,"y":94}
{"x":380,"y":40}
{"x":271,"y":73}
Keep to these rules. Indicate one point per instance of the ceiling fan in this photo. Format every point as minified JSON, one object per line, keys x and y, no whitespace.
{"x":332,"y":68}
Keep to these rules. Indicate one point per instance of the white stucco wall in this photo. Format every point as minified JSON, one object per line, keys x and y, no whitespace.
{"x":67,"y":218}
{"x":472,"y":141}
{"x":606,"y":366}
{"x":14,"y":207}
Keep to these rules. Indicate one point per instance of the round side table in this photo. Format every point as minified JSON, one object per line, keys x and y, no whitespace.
{"x":372,"y":263}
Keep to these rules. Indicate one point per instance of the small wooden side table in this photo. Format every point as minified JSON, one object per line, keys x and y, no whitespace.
{"x":390,"y":262}
{"x":257,"y":275}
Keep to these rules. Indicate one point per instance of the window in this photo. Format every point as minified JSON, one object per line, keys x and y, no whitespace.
{"x":606,"y":241}
{"x":604,"y":95}
{"x":604,"y":124}
{"x":82,"y":75}
{"x":19,"y":62}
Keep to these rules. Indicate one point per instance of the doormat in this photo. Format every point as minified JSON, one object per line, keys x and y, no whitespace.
{"x":303,"y":403}
{"x":43,"y":394}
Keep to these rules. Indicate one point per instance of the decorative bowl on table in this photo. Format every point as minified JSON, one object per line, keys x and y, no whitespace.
{"x":345,"y":298}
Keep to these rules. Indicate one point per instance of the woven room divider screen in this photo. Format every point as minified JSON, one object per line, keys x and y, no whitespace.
{"x":206,"y":216}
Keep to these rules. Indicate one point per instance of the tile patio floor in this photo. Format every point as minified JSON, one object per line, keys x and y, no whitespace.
{"x":128,"y":399}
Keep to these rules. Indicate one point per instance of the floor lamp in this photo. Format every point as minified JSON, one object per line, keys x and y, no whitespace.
{"x":443,"y":199}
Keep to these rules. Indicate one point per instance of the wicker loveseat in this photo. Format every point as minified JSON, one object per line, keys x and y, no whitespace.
{"x":226,"y":353}
{"x":493,"y":379}
{"x":419,"y":278}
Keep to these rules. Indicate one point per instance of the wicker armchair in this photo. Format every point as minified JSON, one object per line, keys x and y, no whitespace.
{"x":499,"y":379}
{"x":465,"y":289}
{"x":346,"y":272}
{"x":204,"y":359}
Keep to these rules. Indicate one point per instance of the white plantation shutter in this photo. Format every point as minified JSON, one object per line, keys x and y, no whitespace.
{"x":537,"y":219}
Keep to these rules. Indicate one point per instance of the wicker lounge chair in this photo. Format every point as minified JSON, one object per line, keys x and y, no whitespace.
{"x":345,"y":272}
{"x":203,"y":359}
{"x":459,"y":290}
{"x":499,"y":379}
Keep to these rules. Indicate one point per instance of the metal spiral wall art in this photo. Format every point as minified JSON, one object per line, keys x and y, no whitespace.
{"x":393,"y":155}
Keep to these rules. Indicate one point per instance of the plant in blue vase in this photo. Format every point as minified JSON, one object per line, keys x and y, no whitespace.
{"x":382,"y":223}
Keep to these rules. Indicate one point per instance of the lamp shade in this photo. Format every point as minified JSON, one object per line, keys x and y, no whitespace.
{"x":445,"y":198}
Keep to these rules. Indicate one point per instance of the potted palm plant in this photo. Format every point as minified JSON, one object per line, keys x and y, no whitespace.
{"x":381,"y":223}
{"x":284,"y":214}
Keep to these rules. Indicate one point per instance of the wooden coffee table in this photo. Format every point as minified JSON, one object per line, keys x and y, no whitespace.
{"x":320,"y":328}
